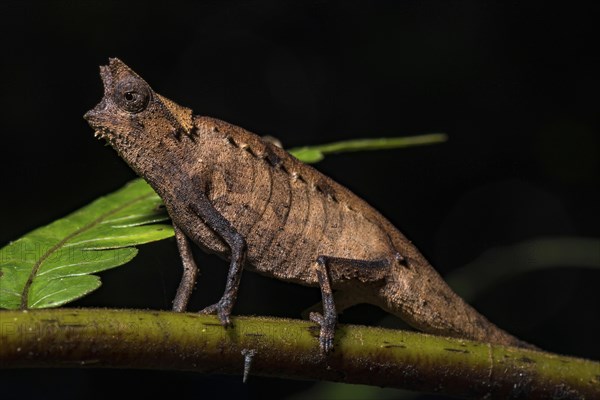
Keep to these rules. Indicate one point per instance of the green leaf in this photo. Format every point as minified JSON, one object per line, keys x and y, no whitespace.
{"x":51,"y":265}
{"x":313,"y":154}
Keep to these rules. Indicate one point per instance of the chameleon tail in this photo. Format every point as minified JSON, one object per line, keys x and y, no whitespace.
{"x":426,"y":302}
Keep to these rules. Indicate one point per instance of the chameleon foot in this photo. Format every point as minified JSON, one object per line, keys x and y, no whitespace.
{"x":223,"y":311}
{"x":327,"y":331}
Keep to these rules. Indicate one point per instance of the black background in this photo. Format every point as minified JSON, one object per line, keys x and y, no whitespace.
{"x":513,"y":84}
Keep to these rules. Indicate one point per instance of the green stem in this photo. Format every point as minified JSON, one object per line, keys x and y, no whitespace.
{"x":287,"y":349}
{"x":312,"y":154}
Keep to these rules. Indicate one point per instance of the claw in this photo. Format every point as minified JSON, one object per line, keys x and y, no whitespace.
{"x":209,"y":310}
{"x":222,"y":312}
{"x":316,"y":317}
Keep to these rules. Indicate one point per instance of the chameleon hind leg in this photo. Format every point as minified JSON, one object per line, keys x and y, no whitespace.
{"x":338,"y":269}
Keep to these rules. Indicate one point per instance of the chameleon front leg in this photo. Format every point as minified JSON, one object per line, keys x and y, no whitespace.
{"x":190,"y":271}
{"x":204,"y":209}
{"x":340,"y":268}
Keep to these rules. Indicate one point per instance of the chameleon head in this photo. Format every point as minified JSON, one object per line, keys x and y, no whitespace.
{"x":133,"y":118}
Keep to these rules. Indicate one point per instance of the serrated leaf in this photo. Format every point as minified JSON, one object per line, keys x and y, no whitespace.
{"x":51,"y":265}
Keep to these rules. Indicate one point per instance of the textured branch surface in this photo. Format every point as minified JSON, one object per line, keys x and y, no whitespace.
{"x":288,"y":349}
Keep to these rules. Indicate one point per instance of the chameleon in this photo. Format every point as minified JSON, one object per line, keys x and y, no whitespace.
{"x":236,"y":195}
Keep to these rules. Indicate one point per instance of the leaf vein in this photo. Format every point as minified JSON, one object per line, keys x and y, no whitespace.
{"x":62,"y":242}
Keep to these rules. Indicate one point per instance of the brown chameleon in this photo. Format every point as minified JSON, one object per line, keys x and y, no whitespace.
{"x":252,"y":203}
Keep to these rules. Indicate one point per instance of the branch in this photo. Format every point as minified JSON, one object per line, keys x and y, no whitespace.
{"x":288,"y":349}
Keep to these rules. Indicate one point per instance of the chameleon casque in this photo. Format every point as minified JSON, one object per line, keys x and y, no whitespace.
{"x":252,"y":203}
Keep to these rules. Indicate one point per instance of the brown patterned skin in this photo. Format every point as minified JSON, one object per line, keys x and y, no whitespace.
{"x":252,"y":203}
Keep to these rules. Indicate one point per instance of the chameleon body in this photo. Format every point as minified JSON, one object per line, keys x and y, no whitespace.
{"x":250,"y":202}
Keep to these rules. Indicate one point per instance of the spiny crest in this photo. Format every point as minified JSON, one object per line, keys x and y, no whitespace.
{"x":181,"y":115}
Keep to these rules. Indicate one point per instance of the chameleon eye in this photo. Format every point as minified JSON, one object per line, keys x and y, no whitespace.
{"x":132,"y":95}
